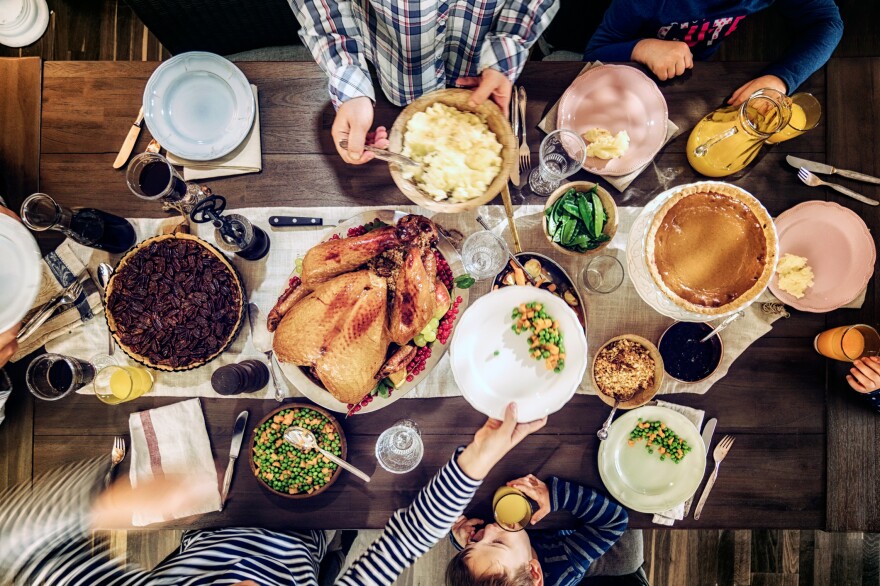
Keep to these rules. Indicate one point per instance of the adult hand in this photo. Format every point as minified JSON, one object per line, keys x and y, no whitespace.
{"x":747,"y":89}
{"x":536,"y":490}
{"x":8,"y":344}
{"x":160,"y":497}
{"x":493,"y":441}
{"x":864,"y":376}
{"x":666,"y":59}
{"x":353,"y":120}
{"x":463,"y":530}
{"x":490,"y":84}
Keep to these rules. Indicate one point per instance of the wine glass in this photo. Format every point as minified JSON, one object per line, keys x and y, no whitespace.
{"x":483,"y":255}
{"x":562,"y":153}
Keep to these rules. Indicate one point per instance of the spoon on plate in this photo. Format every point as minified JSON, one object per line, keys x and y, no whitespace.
{"x":305,"y":440}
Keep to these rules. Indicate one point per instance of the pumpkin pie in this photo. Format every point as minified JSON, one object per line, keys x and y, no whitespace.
{"x":712,"y":248}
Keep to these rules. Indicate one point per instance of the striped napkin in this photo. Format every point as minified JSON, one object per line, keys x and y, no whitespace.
{"x":172,"y":440}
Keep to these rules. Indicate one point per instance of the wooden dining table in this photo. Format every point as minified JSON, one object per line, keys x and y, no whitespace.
{"x":806,"y":452}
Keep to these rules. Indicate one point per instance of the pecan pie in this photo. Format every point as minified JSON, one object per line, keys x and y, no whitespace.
{"x":174,"y":302}
{"x":712,"y":248}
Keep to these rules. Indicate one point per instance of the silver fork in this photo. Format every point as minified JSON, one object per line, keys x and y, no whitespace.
{"x":719,"y":454}
{"x":117,"y":455}
{"x":813,"y":181}
{"x":525,"y":155}
{"x":68,"y":296}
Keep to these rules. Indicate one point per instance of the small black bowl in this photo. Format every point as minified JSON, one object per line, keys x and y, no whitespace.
{"x":685,"y":358}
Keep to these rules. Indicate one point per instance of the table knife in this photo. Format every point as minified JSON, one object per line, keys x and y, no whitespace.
{"x":128,"y":144}
{"x":708,"y":430}
{"x":824,"y":169}
{"x":514,"y":117}
{"x":234,"y":449}
{"x":294,"y":221}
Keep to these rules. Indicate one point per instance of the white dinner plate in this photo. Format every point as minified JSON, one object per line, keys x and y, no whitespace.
{"x":20,"y":271}
{"x":199,"y":106}
{"x":490,"y":381}
{"x":641,"y":481}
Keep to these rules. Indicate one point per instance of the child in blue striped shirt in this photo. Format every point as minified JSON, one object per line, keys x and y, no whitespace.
{"x":493,"y":556}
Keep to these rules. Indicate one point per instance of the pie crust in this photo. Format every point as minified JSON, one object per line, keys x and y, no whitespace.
{"x":712,"y":248}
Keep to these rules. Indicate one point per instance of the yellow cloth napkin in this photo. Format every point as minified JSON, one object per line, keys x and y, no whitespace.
{"x":548,"y":125}
{"x":246,"y":158}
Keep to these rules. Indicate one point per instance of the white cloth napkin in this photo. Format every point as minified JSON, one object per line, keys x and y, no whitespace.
{"x":172,"y":440}
{"x":59,"y":269}
{"x":695,"y":416}
{"x":246,"y":158}
{"x":548,"y":125}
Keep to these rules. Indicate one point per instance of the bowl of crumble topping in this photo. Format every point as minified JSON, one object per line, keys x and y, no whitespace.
{"x":627,"y":368}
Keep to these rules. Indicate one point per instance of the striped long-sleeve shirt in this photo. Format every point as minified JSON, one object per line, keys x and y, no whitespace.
{"x":566,"y":554}
{"x":43,"y":540}
{"x":417,"y":46}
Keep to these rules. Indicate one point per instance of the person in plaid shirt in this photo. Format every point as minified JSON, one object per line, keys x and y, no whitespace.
{"x":416,"y":47}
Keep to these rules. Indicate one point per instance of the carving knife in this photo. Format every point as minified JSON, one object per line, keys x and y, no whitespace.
{"x":128,"y":145}
{"x":708,"y":430}
{"x":234,"y":449}
{"x":824,"y":169}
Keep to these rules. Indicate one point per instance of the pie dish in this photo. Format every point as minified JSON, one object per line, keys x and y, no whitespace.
{"x":174,"y":302}
{"x":711,"y":248}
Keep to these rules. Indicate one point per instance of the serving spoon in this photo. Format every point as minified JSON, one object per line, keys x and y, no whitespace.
{"x":305,"y":440}
{"x":105,"y":271}
{"x":385,"y":155}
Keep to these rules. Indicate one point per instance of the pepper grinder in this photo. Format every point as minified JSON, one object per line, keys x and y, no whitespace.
{"x":232,"y":232}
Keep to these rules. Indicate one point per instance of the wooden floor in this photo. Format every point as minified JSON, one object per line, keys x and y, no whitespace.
{"x":109,"y":30}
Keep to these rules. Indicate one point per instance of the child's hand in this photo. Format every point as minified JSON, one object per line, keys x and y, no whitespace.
{"x":464,"y":529}
{"x":864,"y":376}
{"x":493,"y":441}
{"x":666,"y":59}
{"x":747,"y":89}
{"x":536,"y":490}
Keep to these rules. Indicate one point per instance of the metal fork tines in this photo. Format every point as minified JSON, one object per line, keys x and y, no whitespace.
{"x":67,"y":297}
{"x":813,"y":181}
{"x":525,"y":155}
{"x":719,"y":454}
{"x":117,"y":453}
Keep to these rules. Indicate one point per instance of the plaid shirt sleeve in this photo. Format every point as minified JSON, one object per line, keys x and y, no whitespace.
{"x":519,"y":25}
{"x":328,"y":29}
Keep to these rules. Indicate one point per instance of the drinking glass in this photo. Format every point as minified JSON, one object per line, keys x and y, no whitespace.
{"x":117,"y":384}
{"x":848,"y":343}
{"x":562,"y":153}
{"x":88,"y":226}
{"x":483,"y":255}
{"x":52,"y":376}
{"x":512,"y":509}
{"x":805,"y":115}
{"x":400,"y":449}
{"x":603,"y":274}
{"x":151,"y":176}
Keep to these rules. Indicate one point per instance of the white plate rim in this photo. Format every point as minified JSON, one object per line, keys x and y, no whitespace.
{"x":31,"y":280}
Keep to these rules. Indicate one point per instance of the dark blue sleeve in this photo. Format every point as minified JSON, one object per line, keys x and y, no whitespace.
{"x":618,"y":34}
{"x":819,"y":28}
{"x":601,"y":521}
{"x":873,"y":400}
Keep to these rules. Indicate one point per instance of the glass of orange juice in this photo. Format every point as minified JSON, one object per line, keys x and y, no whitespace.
{"x":848,"y":343}
{"x":512,"y":509}
{"x":805,"y":115}
{"x":117,"y":384}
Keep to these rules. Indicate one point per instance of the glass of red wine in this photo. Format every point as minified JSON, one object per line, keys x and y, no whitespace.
{"x":53,"y":376}
{"x":151,"y":176}
{"x":88,"y":226}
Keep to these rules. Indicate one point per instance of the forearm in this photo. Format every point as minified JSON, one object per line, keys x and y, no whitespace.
{"x":618,"y":33}
{"x":517,"y":28}
{"x":329,"y":30}
{"x":412,"y":531}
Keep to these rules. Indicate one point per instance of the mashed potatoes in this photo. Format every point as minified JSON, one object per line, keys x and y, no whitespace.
{"x":604,"y":145}
{"x":459,"y":154}
{"x":795,"y":275}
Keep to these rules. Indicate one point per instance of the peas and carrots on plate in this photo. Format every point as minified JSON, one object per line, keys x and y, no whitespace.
{"x":546,"y":340}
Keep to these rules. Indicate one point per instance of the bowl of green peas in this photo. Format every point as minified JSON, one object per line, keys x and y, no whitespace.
{"x":285,"y":469}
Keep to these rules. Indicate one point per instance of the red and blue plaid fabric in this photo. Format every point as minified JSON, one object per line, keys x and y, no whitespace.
{"x":417,"y":46}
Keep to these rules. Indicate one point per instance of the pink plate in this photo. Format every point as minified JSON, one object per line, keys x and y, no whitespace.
{"x":616,"y":97}
{"x":838,"y":247}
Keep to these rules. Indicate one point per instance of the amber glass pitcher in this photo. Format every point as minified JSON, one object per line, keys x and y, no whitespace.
{"x":728,"y":139}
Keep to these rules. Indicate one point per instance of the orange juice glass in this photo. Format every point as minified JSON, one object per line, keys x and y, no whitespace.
{"x":512,"y":509}
{"x":848,"y":343}
{"x":805,"y":115}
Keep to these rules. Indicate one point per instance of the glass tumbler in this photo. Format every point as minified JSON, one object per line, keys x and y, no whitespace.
{"x":848,"y":343}
{"x":603,"y":274}
{"x":483,"y":255}
{"x":118,"y":384}
{"x":399,"y":449}
{"x":512,"y":509}
{"x":152,"y":177}
{"x":805,"y":115}
{"x":52,"y":376}
{"x":562,"y":153}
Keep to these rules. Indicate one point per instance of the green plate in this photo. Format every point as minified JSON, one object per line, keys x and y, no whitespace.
{"x":641,"y":481}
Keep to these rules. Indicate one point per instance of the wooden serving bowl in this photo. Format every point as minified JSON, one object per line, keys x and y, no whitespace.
{"x":498,"y":124}
{"x":607,"y":202}
{"x":298,"y":405}
{"x":643,"y":397}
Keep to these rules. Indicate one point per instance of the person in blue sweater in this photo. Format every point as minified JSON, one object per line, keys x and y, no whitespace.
{"x":667,"y":37}
{"x":492,"y":556}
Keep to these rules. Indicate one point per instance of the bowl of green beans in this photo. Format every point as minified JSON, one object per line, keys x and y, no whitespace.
{"x":283,"y":468}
